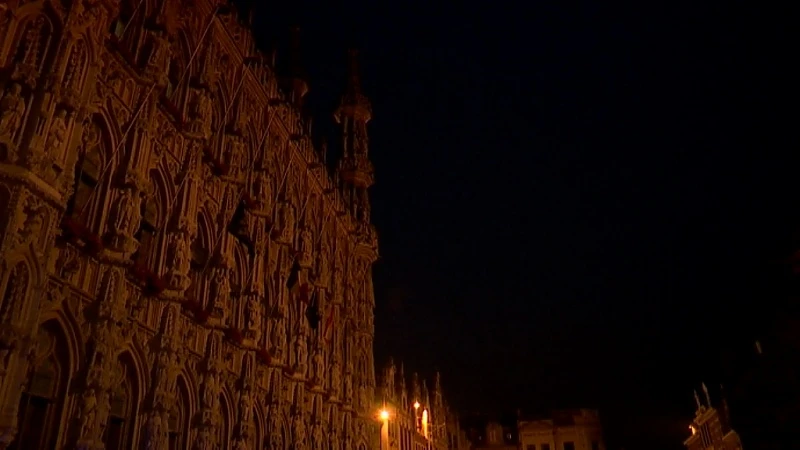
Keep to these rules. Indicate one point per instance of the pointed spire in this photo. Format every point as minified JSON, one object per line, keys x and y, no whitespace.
{"x":353,"y":96}
{"x":389,"y":378}
{"x":402,"y":381}
{"x":697,"y":400}
{"x":355,"y":166}
{"x":708,"y":397}
{"x":415,"y":391}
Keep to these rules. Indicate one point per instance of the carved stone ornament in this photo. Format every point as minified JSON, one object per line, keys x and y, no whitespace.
{"x":125,"y":151}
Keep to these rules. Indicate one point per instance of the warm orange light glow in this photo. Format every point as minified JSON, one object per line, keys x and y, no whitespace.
{"x":416,"y":405}
{"x":425,"y":423}
{"x":694,"y":430}
{"x":384,"y":414}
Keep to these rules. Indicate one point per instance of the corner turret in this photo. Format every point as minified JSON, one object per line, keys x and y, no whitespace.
{"x":355,"y":167}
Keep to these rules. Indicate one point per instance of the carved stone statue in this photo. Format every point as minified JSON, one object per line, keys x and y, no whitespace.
{"x":299,"y":431}
{"x":318,"y":437}
{"x":362,"y":396}
{"x":235,"y":155}
{"x":12,"y":109}
{"x":159,"y":56}
{"x":263,"y":190}
{"x":154,"y":432}
{"x":300,"y":355}
{"x":318,"y":361}
{"x":323,"y":268}
{"x":126,"y":213}
{"x":220,"y":288}
{"x":58,"y":133}
{"x":287,"y":222}
{"x":275,"y":432}
{"x":253,"y":317}
{"x":180,"y":254}
{"x":336,"y":443}
{"x":306,"y":247}
{"x":348,"y":387}
{"x":89,"y":413}
{"x":210,"y":394}
{"x":202,"y":114}
{"x":278,"y":339}
{"x":245,"y":406}
{"x":336,"y":378}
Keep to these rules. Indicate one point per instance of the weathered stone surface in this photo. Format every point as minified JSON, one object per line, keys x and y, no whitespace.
{"x":151,"y":214}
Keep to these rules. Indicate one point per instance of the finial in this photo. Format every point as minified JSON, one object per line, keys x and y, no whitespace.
{"x":697,"y":400}
{"x":708,"y":397}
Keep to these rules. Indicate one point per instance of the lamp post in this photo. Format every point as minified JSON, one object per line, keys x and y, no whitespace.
{"x":384,"y":415}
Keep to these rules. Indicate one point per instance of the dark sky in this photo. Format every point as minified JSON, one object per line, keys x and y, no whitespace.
{"x":577,"y":201}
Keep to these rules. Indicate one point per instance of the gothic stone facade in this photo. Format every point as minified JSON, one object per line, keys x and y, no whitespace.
{"x":417,"y":420}
{"x":178,"y":270}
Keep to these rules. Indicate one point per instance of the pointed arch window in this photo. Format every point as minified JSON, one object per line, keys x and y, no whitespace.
{"x":223,"y":431}
{"x":120,"y":425}
{"x":36,"y":412}
{"x":43,"y":396}
{"x":127,"y":29}
{"x":176,"y":427}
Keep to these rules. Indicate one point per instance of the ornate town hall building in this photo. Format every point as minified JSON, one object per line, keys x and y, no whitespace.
{"x":178,"y":269}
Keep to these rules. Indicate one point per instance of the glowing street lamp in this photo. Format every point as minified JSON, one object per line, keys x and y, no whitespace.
{"x":416,"y":405}
{"x":384,"y":414}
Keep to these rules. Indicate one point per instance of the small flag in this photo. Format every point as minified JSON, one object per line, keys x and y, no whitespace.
{"x":238,"y":228}
{"x":294,"y":276}
{"x":312,"y":314}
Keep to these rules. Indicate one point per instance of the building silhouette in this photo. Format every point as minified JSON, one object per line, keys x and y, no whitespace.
{"x":415,"y":418}
{"x":563,"y":430}
{"x":711,"y":428}
{"x":178,"y":268}
{"x":568,"y":429}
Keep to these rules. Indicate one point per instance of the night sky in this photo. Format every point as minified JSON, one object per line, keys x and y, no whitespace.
{"x":579,"y":203}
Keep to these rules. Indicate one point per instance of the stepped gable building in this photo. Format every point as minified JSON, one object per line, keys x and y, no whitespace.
{"x":178,"y":269}
{"x":711,"y":428}
{"x":418,"y":419}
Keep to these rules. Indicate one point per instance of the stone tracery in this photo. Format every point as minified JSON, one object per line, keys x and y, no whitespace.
{"x":167,"y":307}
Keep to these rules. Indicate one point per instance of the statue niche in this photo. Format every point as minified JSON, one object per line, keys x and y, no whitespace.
{"x":12,"y":113}
{"x":72,"y":81}
{"x":12,"y":302}
{"x":35,"y":41}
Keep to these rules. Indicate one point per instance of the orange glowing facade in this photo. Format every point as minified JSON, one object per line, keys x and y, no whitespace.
{"x":710,"y":429}
{"x":418,"y":419}
{"x":178,"y":267}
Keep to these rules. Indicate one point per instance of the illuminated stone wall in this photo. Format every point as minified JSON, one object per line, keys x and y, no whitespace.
{"x":177,"y":269}
{"x":416,"y":418}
